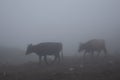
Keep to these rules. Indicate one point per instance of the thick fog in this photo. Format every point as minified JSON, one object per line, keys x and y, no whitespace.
{"x":68,"y":21}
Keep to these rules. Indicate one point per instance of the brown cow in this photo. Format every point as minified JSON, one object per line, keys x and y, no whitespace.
{"x":91,"y":46}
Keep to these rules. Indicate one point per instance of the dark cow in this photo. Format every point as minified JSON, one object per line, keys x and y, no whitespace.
{"x":46,"y":48}
{"x":91,"y":46}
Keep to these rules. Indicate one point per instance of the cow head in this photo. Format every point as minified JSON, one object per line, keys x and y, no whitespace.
{"x":81,"y":47}
{"x":29,"y":49}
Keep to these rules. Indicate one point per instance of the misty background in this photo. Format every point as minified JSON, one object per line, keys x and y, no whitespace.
{"x":68,"y":21}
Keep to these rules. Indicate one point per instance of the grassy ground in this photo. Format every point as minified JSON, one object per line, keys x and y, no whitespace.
{"x":71,"y":68}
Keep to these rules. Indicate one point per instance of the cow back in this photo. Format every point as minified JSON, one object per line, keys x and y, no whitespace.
{"x":96,"y":44}
{"x":48,"y":48}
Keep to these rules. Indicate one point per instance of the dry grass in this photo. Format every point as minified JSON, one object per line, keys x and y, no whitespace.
{"x":71,"y":68}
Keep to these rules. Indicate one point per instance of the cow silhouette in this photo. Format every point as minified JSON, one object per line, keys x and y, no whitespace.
{"x":93,"y":45}
{"x":46,"y":48}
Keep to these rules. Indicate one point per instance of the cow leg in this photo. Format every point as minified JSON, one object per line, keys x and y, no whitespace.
{"x":55,"y":59}
{"x":84,"y":55}
{"x":105,"y":52}
{"x":40,"y":59}
{"x":92,"y":54}
{"x":98,"y":54}
{"x":58,"y":57}
{"x":45,"y":59}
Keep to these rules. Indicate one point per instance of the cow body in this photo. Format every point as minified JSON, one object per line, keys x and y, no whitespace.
{"x":91,"y":46}
{"x":46,"y":48}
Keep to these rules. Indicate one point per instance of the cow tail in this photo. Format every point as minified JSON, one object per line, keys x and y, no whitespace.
{"x":61,"y":51}
{"x":62,"y":54}
{"x":105,"y":49}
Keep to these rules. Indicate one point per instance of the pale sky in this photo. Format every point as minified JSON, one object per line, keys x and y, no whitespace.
{"x":69,"y":21}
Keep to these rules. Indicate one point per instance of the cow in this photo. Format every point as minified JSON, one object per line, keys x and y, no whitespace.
{"x":46,"y":48}
{"x":93,"y":45}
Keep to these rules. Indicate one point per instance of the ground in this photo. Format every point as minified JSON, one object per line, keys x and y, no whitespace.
{"x":71,"y":68}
